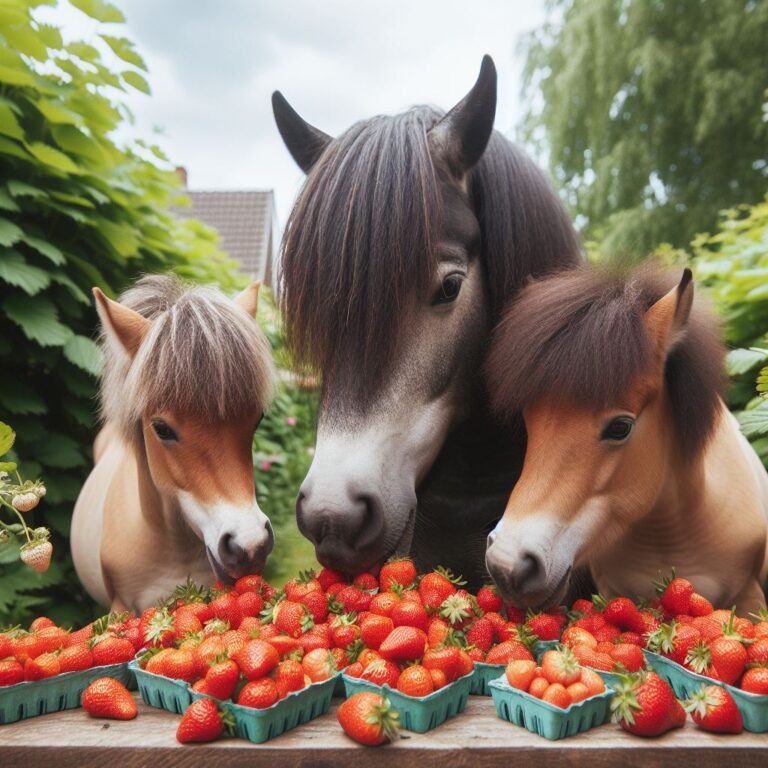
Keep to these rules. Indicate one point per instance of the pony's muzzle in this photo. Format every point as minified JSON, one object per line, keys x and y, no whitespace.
{"x":349,"y":537}
{"x":239,"y":554}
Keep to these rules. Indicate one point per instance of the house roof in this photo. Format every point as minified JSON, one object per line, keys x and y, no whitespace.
{"x":245,"y":220}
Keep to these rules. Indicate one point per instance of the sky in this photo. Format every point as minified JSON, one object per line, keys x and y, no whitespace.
{"x":214,"y":64}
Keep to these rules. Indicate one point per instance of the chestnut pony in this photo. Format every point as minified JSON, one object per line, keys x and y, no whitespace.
{"x":633,"y":463}
{"x":186,"y":379}
{"x":408,"y":237}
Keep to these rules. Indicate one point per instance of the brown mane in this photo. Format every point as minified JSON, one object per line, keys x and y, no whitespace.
{"x":580,"y":334}
{"x":202,"y":355}
{"x":360,"y":244}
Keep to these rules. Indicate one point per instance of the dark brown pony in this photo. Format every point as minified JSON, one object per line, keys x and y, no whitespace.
{"x":408,"y":237}
{"x":633,"y":464}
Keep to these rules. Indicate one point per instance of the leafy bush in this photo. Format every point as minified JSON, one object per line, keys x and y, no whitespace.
{"x":76,"y":210}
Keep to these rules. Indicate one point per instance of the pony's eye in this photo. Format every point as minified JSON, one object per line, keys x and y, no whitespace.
{"x":448,"y":291}
{"x":164,"y":432}
{"x":617,"y":430}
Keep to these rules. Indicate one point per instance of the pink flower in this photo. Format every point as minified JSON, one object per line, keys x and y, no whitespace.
{"x":266,"y":465}
{"x":291,"y":421}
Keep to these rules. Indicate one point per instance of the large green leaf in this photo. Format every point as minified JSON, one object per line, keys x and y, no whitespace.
{"x":739,"y":361}
{"x":46,"y":248}
{"x":59,"y":451}
{"x":38,"y":319}
{"x":22,"y":189}
{"x":84,"y":353}
{"x":7,"y":203}
{"x":19,"y":398}
{"x":53,"y":157}
{"x":135,"y":80}
{"x":9,"y":125}
{"x":10,"y":234}
{"x":55,"y":113}
{"x":14,"y":270}
{"x":100,"y":10}
{"x":754,"y":423}
{"x":125,"y":50}
{"x":7,"y":438}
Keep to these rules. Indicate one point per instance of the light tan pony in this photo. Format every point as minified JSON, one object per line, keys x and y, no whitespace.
{"x":633,"y":462}
{"x":187,"y":377}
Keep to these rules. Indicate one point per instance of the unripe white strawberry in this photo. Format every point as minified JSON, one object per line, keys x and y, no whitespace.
{"x":37,"y":555}
{"x":40,"y":490}
{"x":24,"y":502}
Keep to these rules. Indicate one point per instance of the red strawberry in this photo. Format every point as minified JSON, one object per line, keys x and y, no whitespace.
{"x":75,"y":658}
{"x":42,"y":666}
{"x":250,"y":583}
{"x":366,"y":581}
{"x":698,"y":605}
{"x":481,"y":634}
{"x":353,"y":599}
{"x":109,"y":698}
{"x":583,"y":606}
{"x":628,"y":656}
{"x":250,"y":604}
{"x":203,"y":721}
{"x":755,"y":680}
{"x":499,"y":625}
{"x":675,"y":595}
{"x":404,"y":644}
{"x":622,"y":612}
{"x":488,"y":599}
{"x":226,"y":607}
{"x":757,"y":652}
{"x":156,"y":627}
{"x":608,"y":633}
{"x":186,"y":623}
{"x":259,"y":694}
{"x":409,"y":614}
{"x":645,"y":705}
{"x":292,"y":618}
{"x":256,"y":659}
{"x":289,"y":676}
{"x":507,"y":651}
{"x":374,"y":629}
{"x":383,"y":604}
{"x":221,"y":678}
{"x":446,"y":659}
{"x":544,"y":626}
{"x":514,"y":614}
{"x":344,"y":631}
{"x":368,"y":719}
{"x":111,"y":650}
{"x":317,"y":604}
{"x":41,"y":622}
{"x":713,"y":709}
{"x":52,"y":638}
{"x":674,"y":640}
{"x":436,"y":586}
{"x":328,"y":577}
{"x":11,"y":672}
{"x":398,"y":571}
{"x":724,"y":658}
{"x":381,"y":672}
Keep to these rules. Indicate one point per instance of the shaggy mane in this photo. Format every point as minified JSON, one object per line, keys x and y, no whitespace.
{"x":360,"y":244}
{"x":202,"y":355}
{"x":580,"y":334}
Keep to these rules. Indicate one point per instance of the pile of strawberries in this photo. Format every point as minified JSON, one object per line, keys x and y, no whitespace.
{"x":559,"y":679}
{"x":46,"y":650}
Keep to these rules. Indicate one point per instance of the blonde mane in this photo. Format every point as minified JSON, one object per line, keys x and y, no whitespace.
{"x":202,"y":355}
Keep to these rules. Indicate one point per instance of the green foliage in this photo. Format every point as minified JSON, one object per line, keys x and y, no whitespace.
{"x":76,"y":210}
{"x":652,"y":114}
{"x":283,"y":447}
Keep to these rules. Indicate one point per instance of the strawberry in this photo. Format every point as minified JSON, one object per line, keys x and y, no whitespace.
{"x":520,"y":673}
{"x":289,"y":676}
{"x":225,"y":606}
{"x":622,"y":612}
{"x":203,"y":721}
{"x":11,"y":672}
{"x":560,"y":666}
{"x":724,"y":658}
{"x":755,"y":680}
{"x":156,"y":627}
{"x":186,"y":623}
{"x":374,"y":630}
{"x":327,"y":577}
{"x":404,"y":644}
{"x":221,"y":678}
{"x":319,"y":665}
{"x":589,"y":657}
{"x":436,"y":586}
{"x":457,"y":609}
{"x":383,"y":604}
{"x":557,"y":695}
{"x":250,"y":583}
{"x":179,"y":665}
{"x":437,"y":632}
{"x":284,"y":645}
{"x":75,"y":658}
{"x":514,"y":614}
{"x":415,"y":681}
{"x":507,"y":651}
{"x":607,"y":633}
{"x":316,"y":603}
{"x":37,"y":555}
{"x":713,"y":709}
{"x":445,"y":659}
{"x":249,"y":604}
{"x":52,"y":638}
{"x":499,"y":625}
{"x":25,"y":646}
{"x":353,"y":599}
{"x":296,"y":589}
{"x":41,"y":622}
{"x":544,"y":626}
{"x":645,"y":705}
{"x":368,"y":719}
{"x":574,"y":636}
{"x":698,"y":605}
{"x":111,"y":650}
{"x":109,"y":698}
{"x":674,"y":640}
{"x":488,"y":599}
{"x":675,"y":595}
{"x":292,"y":618}
{"x":481,"y":634}
{"x":757,"y":652}
{"x":259,"y":694}
{"x":256,"y":659}
{"x":381,"y":672}
{"x":628,"y":656}
{"x":366,"y":581}
{"x":398,"y":571}
{"x":583,"y":606}
{"x":344,"y":631}
{"x":409,"y":614}
{"x":42,"y":666}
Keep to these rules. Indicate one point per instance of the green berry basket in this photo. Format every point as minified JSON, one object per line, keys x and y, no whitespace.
{"x":297,"y":708}
{"x":484,"y":673}
{"x":753,"y":706}
{"x":53,"y":694}
{"x":546,"y":720}
{"x":160,"y":691}
{"x":422,"y":713}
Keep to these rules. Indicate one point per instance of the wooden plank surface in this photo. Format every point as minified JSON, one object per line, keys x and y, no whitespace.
{"x":476,"y":738}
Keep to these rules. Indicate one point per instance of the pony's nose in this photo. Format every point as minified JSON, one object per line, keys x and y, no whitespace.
{"x":241,"y":556}
{"x":346,"y":538}
{"x":519,"y":578}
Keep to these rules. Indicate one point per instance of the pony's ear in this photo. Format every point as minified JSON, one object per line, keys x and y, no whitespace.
{"x":666,"y":320}
{"x":305,"y":142}
{"x":124,"y":327}
{"x":248,"y":300}
{"x":461,"y":137}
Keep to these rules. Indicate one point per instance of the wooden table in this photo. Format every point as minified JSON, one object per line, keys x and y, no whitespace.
{"x":475,"y":739}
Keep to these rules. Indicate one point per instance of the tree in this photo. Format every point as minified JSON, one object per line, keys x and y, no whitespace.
{"x":76,"y":210}
{"x":651,"y":113}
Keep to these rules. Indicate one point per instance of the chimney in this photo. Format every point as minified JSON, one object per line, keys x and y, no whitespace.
{"x":181,"y":172}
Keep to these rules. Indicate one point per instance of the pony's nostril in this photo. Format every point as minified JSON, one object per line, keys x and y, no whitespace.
{"x":369,"y":523}
{"x":230,"y":551}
